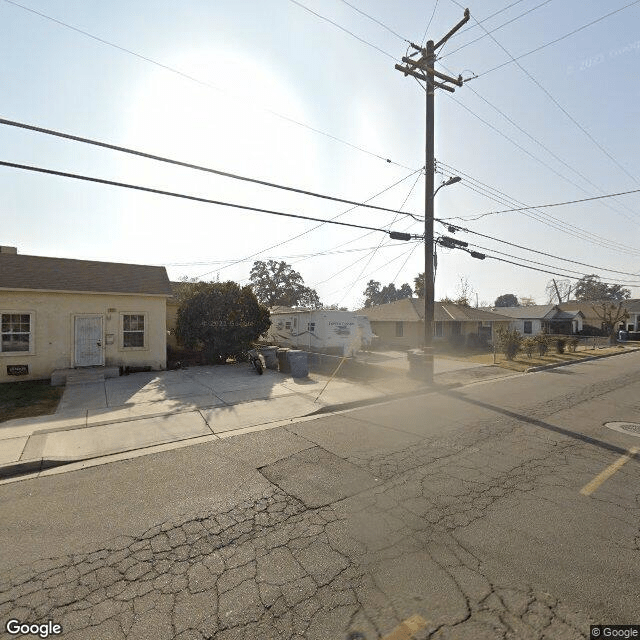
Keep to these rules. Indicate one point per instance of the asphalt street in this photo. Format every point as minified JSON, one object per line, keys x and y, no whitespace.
{"x":504,"y":509}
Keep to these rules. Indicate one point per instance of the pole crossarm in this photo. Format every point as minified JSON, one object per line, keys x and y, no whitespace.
{"x":424,"y":78}
{"x":460,"y":24}
{"x":443,"y":76}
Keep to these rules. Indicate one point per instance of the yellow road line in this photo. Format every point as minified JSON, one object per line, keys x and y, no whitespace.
{"x":406,"y":629}
{"x":589,"y":488}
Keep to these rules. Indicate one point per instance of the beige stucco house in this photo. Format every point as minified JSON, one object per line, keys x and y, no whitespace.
{"x":58,"y":313}
{"x":400,"y":324}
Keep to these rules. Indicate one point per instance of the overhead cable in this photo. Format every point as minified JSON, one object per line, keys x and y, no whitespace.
{"x":174,"y":194}
{"x":204,"y":83}
{"x":557,"y":103}
{"x":339,"y":26}
{"x":189,"y":165}
{"x":548,"y":44}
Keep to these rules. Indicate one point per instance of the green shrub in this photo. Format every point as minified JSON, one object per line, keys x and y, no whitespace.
{"x":561,"y":343}
{"x":508,"y":342}
{"x":529,"y":346}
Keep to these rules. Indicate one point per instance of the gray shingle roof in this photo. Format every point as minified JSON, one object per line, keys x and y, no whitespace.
{"x":63,"y":274}
{"x":412,"y":310}
{"x":528,"y":313}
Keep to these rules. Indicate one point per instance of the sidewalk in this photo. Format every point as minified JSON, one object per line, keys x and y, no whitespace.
{"x":148,"y":409}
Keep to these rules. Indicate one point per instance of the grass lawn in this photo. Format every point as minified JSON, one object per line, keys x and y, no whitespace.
{"x":522,"y":362}
{"x":27,"y":399}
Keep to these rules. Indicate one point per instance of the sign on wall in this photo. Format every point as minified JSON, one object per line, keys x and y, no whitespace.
{"x":17,"y":369}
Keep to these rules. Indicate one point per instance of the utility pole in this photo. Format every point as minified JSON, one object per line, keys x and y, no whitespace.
{"x":423,"y":69}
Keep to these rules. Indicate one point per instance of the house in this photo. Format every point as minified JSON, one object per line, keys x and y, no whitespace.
{"x":593,"y":321}
{"x":548,"y":318}
{"x":400,"y":324}
{"x":58,"y":313}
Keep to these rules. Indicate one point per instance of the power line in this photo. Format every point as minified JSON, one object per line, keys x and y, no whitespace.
{"x":299,"y":235}
{"x":174,"y":194}
{"x":433,"y":13}
{"x":493,"y":15}
{"x":380,"y":244}
{"x":188,"y":165}
{"x":553,"y":99}
{"x":541,"y":216}
{"x":554,"y":155}
{"x":548,"y":44}
{"x":553,"y":273}
{"x":203,"y":263}
{"x":335,"y":24}
{"x":543,"y":253}
{"x":350,"y":286}
{"x":544,"y":264}
{"x":504,"y":24}
{"x":558,"y":204}
{"x":204,"y":83}
{"x":366,"y":15}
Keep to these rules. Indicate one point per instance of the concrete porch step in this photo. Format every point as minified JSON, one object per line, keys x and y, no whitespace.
{"x":83,"y":375}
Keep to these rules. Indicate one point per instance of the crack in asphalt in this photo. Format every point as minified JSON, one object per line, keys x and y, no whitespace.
{"x":275,"y":568}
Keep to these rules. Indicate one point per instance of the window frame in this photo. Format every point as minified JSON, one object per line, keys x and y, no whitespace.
{"x":399,"y":329}
{"x":31,"y":333}
{"x":524,"y":327}
{"x":145,"y":331}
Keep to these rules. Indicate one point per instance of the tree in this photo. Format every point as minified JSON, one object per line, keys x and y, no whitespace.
{"x":375,"y":295}
{"x":418,"y":285}
{"x":558,"y":290}
{"x":464,"y":294}
{"x":187,"y":287}
{"x":276,"y":283}
{"x":507,"y":300}
{"x":222,"y":319}
{"x":590,"y":288}
{"x":610,"y":315}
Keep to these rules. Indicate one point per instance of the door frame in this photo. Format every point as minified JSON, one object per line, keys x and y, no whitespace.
{"x":75,"y":344}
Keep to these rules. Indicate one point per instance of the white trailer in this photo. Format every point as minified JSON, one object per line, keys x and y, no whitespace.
{"x":339,"y":332}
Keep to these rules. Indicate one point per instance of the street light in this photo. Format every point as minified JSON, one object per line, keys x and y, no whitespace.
{"x":446,"y":183}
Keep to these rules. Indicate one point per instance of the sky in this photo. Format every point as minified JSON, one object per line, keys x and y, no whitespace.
{"x":269,"y":90}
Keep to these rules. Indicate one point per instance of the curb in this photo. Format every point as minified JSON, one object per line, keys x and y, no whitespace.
{"x":564,"y":364}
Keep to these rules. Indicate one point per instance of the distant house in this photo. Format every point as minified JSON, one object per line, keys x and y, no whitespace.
{"x":591,"y":318}
{"x":549,"y":318}
{"x":58,"y":313}
{"x":400,"y":324}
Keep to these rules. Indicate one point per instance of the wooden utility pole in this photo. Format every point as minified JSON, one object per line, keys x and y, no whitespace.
{"x":423,"y":69}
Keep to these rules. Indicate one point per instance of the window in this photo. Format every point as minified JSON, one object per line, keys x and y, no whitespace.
{"x":399,"y":330}
{"x":16,"y":333}
{"x":527,"y":326}
{"x":311,"y":326}
{"x":287,"y":325}
{"x":133,"y":330}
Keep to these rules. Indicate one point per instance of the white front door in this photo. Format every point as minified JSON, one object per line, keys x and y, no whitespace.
{"x":88,"y":341}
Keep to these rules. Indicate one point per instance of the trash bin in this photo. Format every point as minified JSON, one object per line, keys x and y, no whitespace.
{"x":270,"y":357}
{"x":298,"y":363}
{"x":283,"y":363}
